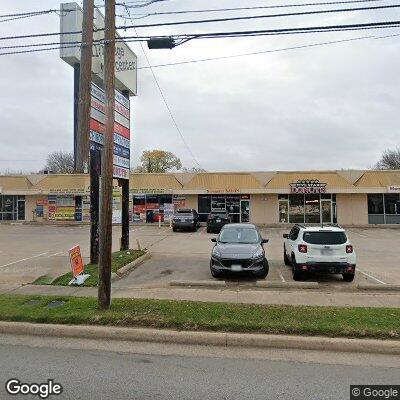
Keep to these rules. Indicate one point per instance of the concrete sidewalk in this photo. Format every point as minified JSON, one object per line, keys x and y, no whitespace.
{"x":261,"y":296}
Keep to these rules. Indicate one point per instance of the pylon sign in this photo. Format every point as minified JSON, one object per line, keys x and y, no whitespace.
{"x":122,"y":135}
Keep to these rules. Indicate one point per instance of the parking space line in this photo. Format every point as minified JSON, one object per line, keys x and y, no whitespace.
{"x":281,"y":276}
{"x":56,"y":254}
{"x":23,"y":259}
{"x":370,"y":276}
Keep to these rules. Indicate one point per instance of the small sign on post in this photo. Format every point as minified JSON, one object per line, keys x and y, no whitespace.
{"x":77,"y":267}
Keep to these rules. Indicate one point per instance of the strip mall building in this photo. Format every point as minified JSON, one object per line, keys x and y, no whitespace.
{"x":265,"y":198}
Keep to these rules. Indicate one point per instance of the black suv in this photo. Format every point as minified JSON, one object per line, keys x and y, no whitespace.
{"x":185,"y":219}
{"x":216,"y":220}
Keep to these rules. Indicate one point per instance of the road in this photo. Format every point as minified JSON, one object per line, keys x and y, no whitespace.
{"x":119,"y":370}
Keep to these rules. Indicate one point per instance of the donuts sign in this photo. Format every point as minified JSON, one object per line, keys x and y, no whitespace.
{"x":306,"y":186}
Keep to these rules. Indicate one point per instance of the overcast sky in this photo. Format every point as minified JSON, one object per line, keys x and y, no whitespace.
{"x":327,"y":107}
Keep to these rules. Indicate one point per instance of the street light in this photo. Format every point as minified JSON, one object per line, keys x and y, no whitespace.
{"x":161,"y":43}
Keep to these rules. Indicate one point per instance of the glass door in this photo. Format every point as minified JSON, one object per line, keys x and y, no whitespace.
{"x":326,"y":211}
{"x":244,"y":210}
{"x":284,"y":211}
{"x":21,"y":210}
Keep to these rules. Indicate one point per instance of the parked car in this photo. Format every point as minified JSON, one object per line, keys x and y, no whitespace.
{"x":216,"y":220}
{"x":185,"y":219}
{"x":323,"y":249}
{"x":239,"y":247}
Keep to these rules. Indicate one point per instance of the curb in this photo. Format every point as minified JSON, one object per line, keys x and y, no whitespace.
{"x":198,"y":283}
{"x":287,"y":285}
{"x":131,"y":266}
{"x":386,"y":287}
{"x":226,"y":339}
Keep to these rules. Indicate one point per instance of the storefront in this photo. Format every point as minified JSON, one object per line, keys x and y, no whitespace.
{"x":12,"y":208}
{"x":238,"y":206}
{"x":355,"y":198}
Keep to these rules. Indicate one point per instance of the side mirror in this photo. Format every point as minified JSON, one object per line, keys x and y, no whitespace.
{"x":214,"y":240}
{"x":285,"y":236}
{"x":264,"y":240}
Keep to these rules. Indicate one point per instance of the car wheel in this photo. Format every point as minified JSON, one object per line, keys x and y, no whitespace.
{"x":216,"y":274}
{"x":263,"y":273}
{"x":208,"y":230}
{"x":286,"y":258}
{"x":174,"y":229}
{"x":296,"y":273}
{"x":348,"y":277}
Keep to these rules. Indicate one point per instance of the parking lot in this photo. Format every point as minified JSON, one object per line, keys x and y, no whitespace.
{"x":30,"y":251}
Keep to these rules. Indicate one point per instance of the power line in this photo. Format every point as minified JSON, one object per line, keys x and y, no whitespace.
{"x":215,"y":20}
{"x":267,"y":51}
{"x":183,"y":38}
{"x":255,"y":7}
{"x":166,"y":102}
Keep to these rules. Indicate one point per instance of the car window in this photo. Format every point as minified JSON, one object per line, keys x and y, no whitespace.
{"x":239,"y":235}
{"x":325,"y":237}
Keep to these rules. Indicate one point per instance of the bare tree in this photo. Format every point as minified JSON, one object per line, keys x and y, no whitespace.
{"x":390,"y":159}
{"x":60,"y":162}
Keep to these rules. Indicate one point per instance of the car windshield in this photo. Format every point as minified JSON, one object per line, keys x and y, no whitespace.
{"x":324,"y":237}
{"x":239,"y":235}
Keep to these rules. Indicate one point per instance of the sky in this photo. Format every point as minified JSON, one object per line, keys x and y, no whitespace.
{"x":324,"y":107}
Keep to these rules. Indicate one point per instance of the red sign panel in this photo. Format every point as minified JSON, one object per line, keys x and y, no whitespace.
{"x":100,"y":128}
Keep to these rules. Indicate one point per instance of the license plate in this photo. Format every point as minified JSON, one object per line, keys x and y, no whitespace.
{"x":218,"y":220}
{"x":326,"y":252}
{"x":236,"y":268}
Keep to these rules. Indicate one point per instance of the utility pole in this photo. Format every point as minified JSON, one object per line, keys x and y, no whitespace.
{"x":105,"y":228}
{"x":85,"y":81}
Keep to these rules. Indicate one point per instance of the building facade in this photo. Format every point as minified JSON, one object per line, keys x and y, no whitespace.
{"x":347,"y":197}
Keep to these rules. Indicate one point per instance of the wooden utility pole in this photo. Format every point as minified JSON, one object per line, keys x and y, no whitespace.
{"x":105,"y":228}
{"x":85,"y":81}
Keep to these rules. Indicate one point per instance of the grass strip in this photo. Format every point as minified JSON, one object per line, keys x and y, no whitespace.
{"x":119,"y":260}
{"x":382,"y":323}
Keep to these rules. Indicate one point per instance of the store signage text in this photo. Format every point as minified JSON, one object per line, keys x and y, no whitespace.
{"x":393,"y":189}
{"x":306,"y":186}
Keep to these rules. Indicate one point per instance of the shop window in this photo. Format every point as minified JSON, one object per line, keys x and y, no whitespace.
{"x":392,"y":203}
{"x":283,"y":211}
{"x":296,"y":208}
{"x":312,"y":209}
{"x":283,"y":196}
{"x":233,"y":204}
{"x":218,"y":203}
{"x":204,"y":204}
{"x":375,"y":204}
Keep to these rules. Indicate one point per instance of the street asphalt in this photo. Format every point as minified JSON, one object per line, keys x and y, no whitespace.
{"x":95,"y":370}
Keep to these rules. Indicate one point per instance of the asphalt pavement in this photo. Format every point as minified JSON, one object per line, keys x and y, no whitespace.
{"x":130,"y":371}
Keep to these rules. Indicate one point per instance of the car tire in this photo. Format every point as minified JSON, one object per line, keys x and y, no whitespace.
{"x":216,"y":274}
{"x":286,"y":259}
{"x":348,"y":277}
{"x":296,"y":273}
{"x":263,"y":273}
{"x":208,"y":230}
{"x":174,"y":229}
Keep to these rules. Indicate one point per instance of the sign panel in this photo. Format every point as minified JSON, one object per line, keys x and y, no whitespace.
{"x":121,"y":161}
{"x":393,"y":189}
{"x":125,"y":59}
{"x":76,"y":261}
{"x":306,"y":186}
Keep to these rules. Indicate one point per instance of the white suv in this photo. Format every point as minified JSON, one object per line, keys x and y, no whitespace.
{"x":324,"y":249}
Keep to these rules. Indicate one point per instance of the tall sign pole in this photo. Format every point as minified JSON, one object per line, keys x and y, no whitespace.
{"x":85,"y":80}
{"x":105,"y":228}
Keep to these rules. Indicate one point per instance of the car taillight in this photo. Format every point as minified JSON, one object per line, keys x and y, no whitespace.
{"x":302,"y":248}
{"x":349,"y":248}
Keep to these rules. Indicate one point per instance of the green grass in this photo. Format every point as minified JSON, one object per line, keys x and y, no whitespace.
{"x":381,"y":323}
{"x":119,"y":259}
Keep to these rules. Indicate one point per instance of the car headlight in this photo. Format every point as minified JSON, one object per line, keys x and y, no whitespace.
{"x":258,"y":253}
{"x":216,"y":253}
